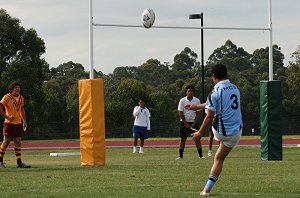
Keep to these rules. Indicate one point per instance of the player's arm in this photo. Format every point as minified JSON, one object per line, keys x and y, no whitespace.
{"x":4,"y":114}
{"x":205,"y":124}
{"x":180,"y":113}
{"x":23,"y":116}
{"x":148,"y":120}
{"x":195,"y":107}
{"x":136,"y":111}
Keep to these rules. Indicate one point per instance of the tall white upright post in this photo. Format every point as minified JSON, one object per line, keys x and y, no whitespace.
{"x":91,"y":41}
{"x":91,"y":112}
{"x":270,"y":43}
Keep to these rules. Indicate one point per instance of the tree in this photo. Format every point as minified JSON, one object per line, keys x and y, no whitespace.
{"x":235,"y":58}
{"x":18,"y":44}
{"x":293,"y":81}
{"x":185,"y":60}
{"x":20,"y":59}
{"x":10,"y":38}
{"x":296,"y":57}
{"x":260,"y":59}
{"x":52,"y":109}
{"x":153,"y":73}
{"x":72,"y":111}
{"x":124,"y":72}
{"x":162,"y":113}
{"x":70,"y":70}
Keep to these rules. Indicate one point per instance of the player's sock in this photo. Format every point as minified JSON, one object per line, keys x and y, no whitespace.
{"x":134,"y":149}
{"x":141,"y":149}
{"x":181,"y":153}
{"x":18,"y":155}
{"x":200,"y":152}
{"x":210,"y":183}
{"x":2,"y":152}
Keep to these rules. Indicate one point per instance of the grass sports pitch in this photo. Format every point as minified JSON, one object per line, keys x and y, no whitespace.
{"x":155,"y":174}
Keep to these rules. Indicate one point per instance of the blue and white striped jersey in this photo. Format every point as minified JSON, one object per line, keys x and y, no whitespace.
{"x":224,"y":100}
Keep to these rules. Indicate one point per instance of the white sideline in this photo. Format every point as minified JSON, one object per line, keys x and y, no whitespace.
{"x":65,"y":154}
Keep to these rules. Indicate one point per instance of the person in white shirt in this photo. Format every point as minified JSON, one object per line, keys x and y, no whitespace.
{"x":188,"y":120}
{"x":141,"y":125}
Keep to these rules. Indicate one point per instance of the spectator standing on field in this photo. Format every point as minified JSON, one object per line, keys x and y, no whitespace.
{"x":141,"y":125}
{"x":224,"y":112}
{"x":188,"y":120}
{"x":14,"y":123}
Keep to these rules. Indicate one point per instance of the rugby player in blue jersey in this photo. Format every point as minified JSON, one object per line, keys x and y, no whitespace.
{"x":224,"y":113}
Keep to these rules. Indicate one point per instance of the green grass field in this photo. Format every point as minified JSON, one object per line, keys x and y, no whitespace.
{"x":152,"y":174}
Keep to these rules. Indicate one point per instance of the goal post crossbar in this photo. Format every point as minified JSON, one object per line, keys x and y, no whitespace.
{"x":181,"y":27}
{"x":269,"y":28}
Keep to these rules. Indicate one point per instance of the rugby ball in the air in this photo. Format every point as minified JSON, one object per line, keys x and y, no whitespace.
{"x":148,"y":18}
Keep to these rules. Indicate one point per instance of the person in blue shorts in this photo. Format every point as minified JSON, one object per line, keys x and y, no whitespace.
{"x":224,"y":113}
{"x":141,"y":125}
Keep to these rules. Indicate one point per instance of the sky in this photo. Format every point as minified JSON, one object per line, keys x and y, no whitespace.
{"x":64,"y":27}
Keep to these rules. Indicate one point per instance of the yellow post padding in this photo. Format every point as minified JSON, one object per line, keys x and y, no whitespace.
{"x":91,"y":122}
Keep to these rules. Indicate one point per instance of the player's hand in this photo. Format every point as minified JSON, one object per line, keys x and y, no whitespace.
{"x":10,"y":118}
{"x":196,"y":135}
{"x":187,"y":125}
{"x":24,"y":126}
{"x":191,"y":107}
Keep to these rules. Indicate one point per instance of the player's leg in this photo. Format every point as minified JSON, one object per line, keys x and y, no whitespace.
{"x":142,"y":142}
{"x":143,"y":136}
{"x":226,"y":143}
{"x":184,"y":132}
{"x":3,"y":147}
{"x":135,"y":143}
{"x":135,"y":135}
{"x":197,"y":142}
{"x":142,"y":145}
{"x":17,"y":142}
{"x":210,"y":143}
{"x":199,"y":147}
{"x":181,"y":148}
{"x":7,"y":137}
{"x":220,"y":157}
{"x":216,"y":169}
{"x":18,"y":146}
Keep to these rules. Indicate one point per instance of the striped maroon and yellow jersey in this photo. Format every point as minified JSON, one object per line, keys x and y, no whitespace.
{"x":13,"y":107}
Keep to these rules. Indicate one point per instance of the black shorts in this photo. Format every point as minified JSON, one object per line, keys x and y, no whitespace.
{"x":12,"y":130}
{"x":185,"y":132}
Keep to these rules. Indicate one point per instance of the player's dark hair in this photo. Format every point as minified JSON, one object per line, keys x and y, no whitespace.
{"x":190,"y":87}
{"x":12,"y":86}
{"x":219,"y":71}
{"x":142,"y":99}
